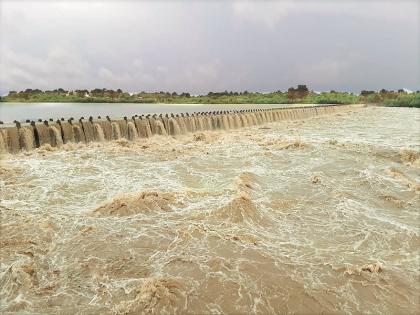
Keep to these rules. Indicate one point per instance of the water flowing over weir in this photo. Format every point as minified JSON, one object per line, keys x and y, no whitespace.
{"x":29,"y":136}
{"x":174,"y":128}
{"x":78,"y":134}
{"x":160,"y":128}
{"x":99,"y":133}
{"x":116,"y":133}
{"x":55,"y":135}
{"x":132,"y":131}
{"x":3,"y":145}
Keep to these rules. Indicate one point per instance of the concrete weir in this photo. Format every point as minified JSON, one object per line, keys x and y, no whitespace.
{"x":27,"y":136}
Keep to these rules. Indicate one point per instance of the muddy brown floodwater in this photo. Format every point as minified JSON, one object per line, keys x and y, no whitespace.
{"x":313,"y":216}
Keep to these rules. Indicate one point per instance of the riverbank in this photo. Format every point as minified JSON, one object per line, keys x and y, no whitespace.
{"x":294,"y":96}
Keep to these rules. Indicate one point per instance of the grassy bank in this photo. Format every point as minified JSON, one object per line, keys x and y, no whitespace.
{"x":301,"y":94}
{"x":411,"y":100}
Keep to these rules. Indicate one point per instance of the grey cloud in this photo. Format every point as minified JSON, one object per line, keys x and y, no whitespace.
{"x":271,"y":13}
{"x":202,"y":46}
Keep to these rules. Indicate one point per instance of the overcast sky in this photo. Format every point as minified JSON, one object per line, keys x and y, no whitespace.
{"x":201,"y":46}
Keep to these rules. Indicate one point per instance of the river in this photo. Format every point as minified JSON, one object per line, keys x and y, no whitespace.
{"x":308,"y":216}
{"x":34,"y":111}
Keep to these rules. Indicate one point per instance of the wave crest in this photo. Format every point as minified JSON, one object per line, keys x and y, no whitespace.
{"x":238,"y":210}
{"x":131,"y":204}
{"x":154,"y":296}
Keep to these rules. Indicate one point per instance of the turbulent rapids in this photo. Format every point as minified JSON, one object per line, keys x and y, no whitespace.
{"x":303,"y":215}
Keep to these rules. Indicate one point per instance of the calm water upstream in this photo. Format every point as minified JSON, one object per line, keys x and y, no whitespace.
{"x":316,"y":216}
{"x":34,"y":111}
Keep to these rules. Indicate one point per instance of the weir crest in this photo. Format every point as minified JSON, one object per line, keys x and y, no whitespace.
{"x":25,"y":136}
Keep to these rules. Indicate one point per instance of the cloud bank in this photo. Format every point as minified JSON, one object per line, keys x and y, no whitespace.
{"x":209,"y":46}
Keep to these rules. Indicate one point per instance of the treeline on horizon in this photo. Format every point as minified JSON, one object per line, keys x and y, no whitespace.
{"x":300,"y":94}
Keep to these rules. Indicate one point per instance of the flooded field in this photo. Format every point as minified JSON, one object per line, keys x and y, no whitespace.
{"x":308,"y":216}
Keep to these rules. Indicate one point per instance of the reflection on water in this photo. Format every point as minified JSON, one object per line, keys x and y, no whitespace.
{"x":294,"y":217}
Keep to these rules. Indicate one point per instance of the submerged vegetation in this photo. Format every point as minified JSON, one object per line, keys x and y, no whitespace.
{"x":301,"y":94}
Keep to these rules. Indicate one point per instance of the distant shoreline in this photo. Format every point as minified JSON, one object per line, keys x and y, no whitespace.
{"x":94,"y":101}
{"x":299,"y":95}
